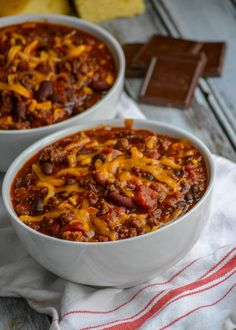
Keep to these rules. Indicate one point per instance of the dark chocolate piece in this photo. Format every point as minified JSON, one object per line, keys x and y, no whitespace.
{"x":159,"y":45}
{"x":215,"y":53}
{"x":171,"y":81}
{"x":130,"y":51}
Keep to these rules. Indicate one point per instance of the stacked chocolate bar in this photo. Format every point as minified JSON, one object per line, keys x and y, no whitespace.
{"x":172,"y":68}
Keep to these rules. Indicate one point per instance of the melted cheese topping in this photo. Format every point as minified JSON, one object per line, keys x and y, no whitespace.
{"x":113,"y":166}
{"x":46,"y":53}
{"x":123,"y":167}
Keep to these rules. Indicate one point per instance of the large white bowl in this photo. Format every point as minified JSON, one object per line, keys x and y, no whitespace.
{"x":121,"y":263}
{"x":12,"y":142}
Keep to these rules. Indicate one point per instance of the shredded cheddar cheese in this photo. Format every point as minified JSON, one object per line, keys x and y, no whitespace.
{"x":50,"y":73}
{"x":95,"y":188}
{"x":30,"y":47}
{"x":19,"y":89}
{"x":151,"y":142}
{"x":12,"y":53}
{"x":169,"y":162}
{"x":78,"y":50}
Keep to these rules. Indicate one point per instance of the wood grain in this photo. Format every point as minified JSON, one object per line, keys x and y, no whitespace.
{"x":15,"y":314}
{"x":211,"y":20}
{"x":201,"y":119}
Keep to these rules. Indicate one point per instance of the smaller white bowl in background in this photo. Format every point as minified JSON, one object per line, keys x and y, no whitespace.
{"x":122,"y":263}
{"x":12,"y":142}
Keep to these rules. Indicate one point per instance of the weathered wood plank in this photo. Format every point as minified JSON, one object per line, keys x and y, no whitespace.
{"x":201,"y":119}
{"x":15,"y":314}
{"x":210,"y":20}
{"x":234,"y":3}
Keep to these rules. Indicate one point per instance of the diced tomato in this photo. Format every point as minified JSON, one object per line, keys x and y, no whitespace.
{"x":75,"y":226}
{"x":145,"y":197}
{"x":170,"y":201}
{"x":191,"y":170}
{"x":122,"y":200}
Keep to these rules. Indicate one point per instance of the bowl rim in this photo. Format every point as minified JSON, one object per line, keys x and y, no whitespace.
{"x":154,"y":125}
{"x":109,"y":39}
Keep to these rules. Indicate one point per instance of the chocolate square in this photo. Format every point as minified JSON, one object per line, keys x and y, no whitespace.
{"x":171,"y":81}
{"x":159,"y":45}
{"x":130,"y":51}
{"x":215,"y":52}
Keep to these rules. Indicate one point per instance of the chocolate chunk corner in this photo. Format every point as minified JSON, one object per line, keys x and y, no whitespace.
{"x":130,"y":51}
{"x":215,"y":53}
{"x":171,"y":81}
{"x":159,"y":45}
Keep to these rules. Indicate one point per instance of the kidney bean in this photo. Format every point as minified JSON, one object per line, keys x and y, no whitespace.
{"x":20,"y":182}
{"x":47,"y":168}
{"x":189,"y":198}
{"x":99,"y":86}
{"x":100,"y":178}
{"x":70,"y":181}
{"x":37,"y":205}
{"x":145,"y":197}
{"x":20,"y":110}
{"x":45,"y":90}
{"x":121,"y":200}
{"x":6,"y":105}
{"x":177,"y":172}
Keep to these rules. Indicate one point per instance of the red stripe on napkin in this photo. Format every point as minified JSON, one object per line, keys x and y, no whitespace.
{"x":218,"y":263}
{"x":195,"y":292}
{"x":134,"y":296}
{"x":200,"y":307}
{"x":167,"y":297}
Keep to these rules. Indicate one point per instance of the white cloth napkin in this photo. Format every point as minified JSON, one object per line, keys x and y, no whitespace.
{"x":127,"y":108}
{"x":198,"y":293}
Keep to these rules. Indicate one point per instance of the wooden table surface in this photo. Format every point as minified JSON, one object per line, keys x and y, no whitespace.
{"x":212,"y":117}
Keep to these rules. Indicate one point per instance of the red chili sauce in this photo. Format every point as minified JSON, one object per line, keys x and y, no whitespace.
{"x":49,"y":73}
{"x":109,"y":183}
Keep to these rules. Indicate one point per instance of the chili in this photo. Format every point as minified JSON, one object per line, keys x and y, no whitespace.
{"x":49,"y":73}
{"x":109,"y":183}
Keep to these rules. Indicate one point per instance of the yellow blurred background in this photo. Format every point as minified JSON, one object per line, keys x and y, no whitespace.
{"x":91,"y":10}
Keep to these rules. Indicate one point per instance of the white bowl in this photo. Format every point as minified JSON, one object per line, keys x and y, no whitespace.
{"x":12,"y":142}
{"x":121,"y":263}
